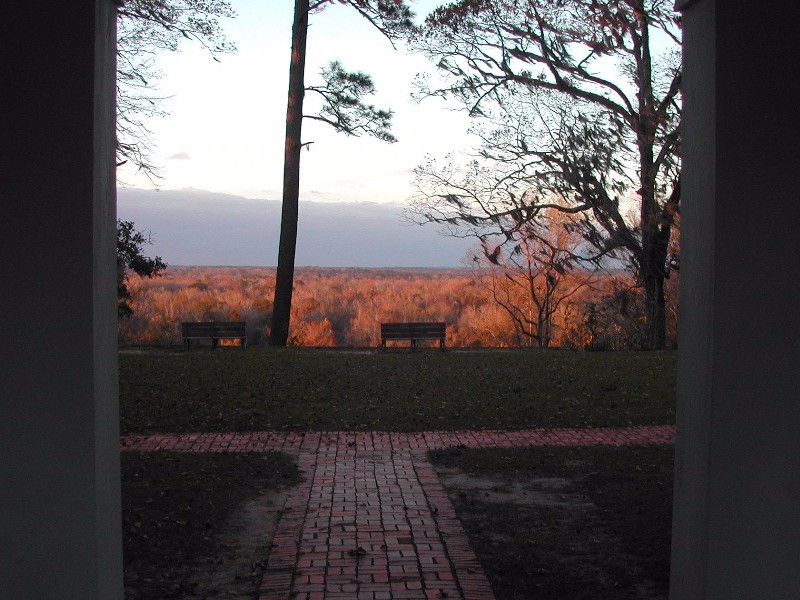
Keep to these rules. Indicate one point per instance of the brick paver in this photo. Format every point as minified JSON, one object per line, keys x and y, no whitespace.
{"x":262,"y":441}
{"x":371,"y":521}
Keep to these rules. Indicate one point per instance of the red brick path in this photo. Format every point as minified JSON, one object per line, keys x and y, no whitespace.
{"x":371,"y":520}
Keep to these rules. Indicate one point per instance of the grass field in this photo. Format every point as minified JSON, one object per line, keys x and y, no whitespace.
{"x":589,"y":523}
{"x":178,"y":528}
{"x":602,"y":534}
{"x":315,"y":389}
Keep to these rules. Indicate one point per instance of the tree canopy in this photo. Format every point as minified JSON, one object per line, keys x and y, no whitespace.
{"x":579,"y":110}
{"x":343,"y":106}
{"x":132,"y":259}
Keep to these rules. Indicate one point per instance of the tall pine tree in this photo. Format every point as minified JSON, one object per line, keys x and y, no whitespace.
{"x":343,"y":108}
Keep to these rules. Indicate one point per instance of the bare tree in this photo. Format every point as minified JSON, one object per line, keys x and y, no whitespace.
{"x":534,"y":273}
{"x":145,"y":28}
{"x":581,"y":100}
{"x":343,"y":108}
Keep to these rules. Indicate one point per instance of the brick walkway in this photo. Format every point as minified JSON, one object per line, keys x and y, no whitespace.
{"x":371,"y":520}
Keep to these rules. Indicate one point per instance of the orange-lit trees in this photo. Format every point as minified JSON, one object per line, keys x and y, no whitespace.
{"x":582,"y":101}
{"x":343,"y":108}
{"x":345,"y":307}
{"x":534,"y":274}
{"x":313,"y":333}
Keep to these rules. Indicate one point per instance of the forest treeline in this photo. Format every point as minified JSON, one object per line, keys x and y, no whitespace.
{"x":345,"y":307}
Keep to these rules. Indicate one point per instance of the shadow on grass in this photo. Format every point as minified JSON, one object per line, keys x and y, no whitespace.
{"x":588,"y":523}
{"x":199,"y":525}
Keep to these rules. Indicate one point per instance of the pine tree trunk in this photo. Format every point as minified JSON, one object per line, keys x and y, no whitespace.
{"x":284,"y":279}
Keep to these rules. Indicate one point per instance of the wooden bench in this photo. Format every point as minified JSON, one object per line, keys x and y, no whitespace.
{"x":214,"y":331}
{"x":413,"y":332}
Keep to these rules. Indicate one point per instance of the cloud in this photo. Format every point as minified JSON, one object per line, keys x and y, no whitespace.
{"x":196,"y":227}
{"x":179,"y":156}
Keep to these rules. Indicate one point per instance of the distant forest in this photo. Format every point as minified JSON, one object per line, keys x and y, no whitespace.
{"x":344,"y":307}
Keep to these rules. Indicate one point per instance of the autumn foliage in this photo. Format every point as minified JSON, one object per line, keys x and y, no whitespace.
{"x":345,"y":307}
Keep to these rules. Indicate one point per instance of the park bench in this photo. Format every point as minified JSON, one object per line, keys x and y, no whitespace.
{"x":214,"y":331}
{"x":413,"y":332}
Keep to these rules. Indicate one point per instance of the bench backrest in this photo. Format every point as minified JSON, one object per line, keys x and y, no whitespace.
{"x":229,"y":328}
{"x":213,"y":329}
{"x":419,"y":331}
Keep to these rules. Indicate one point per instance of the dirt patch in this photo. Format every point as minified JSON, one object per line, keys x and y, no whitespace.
{"x":200,"y":526}
{"x":242,"y":550}
{"x":545,"y":491}
{"x":577,"y":523}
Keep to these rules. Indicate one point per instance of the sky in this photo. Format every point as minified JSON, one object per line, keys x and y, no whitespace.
{"x":224,"y":135}
{"x":220,"y":149}
{"x":225,"y":130}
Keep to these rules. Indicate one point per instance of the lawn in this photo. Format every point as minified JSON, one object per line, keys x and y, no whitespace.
{"x":545,"y":522}
{"x":590,"y":523}
{"x":197,"y":525}
{"x":315,"y":389}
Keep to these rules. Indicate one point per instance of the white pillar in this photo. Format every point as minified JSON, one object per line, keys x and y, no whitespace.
{"x":60,"y":528}
{"x":736,"y":523}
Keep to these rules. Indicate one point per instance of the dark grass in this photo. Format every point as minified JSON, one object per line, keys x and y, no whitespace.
{"x":174,"y":506}
{"x":620,"y":549}
{"x":315,"y":389}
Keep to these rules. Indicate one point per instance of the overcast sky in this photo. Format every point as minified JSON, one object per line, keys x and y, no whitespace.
{"x":221,"y":151}
{"x":206,"y":228}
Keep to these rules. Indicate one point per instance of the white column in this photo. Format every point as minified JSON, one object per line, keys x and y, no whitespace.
{"x":736,"y":523}
{"x":60,"y":528}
